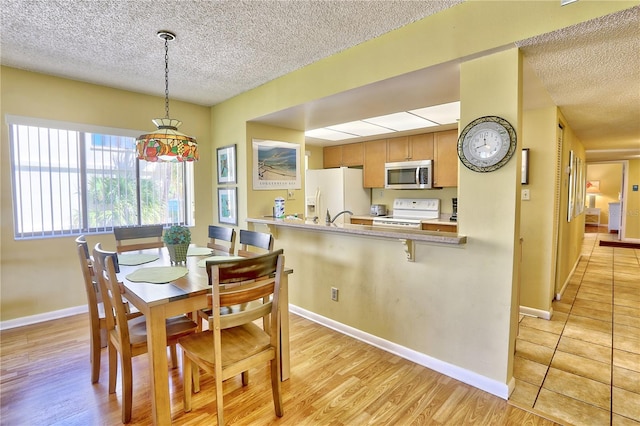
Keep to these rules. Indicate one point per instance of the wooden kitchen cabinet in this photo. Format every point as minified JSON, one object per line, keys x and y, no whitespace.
{"x":359,"y":221}
{"x":375,"y":154}
{"x":410,"y":148}
{"x":445,"y":164}
{"x":348,"y":155}
{"x":439,"y":227}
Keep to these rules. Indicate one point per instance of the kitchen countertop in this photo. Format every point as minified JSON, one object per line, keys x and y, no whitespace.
{"x":366,"y":230}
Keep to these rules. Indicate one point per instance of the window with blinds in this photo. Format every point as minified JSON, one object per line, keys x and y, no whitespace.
{"x":69,"y":181}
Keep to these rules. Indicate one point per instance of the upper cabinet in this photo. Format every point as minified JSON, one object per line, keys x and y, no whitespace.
{"x":349,"y":155}
{"x":375,"y":154}
{"x":441,"y":147}
{"x":410,"y":148}
{"x":445,"y":164}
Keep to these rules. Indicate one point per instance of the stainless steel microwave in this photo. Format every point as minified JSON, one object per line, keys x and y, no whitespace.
{"x":408,"y":175}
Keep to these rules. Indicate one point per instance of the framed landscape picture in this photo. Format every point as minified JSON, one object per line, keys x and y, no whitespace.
{"x":228,"y":205}
{"x":226,"y":164}
{"x":276,"y":165}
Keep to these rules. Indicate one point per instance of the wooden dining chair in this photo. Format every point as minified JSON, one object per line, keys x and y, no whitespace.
{"x":97,"y":322}
{"x":130,"y":238}
{"x":222,"y":234}
{"x":128,"y":338}
{"x":97,"y":319}
{"x":251,"y":240}
{"x":235,"y":344}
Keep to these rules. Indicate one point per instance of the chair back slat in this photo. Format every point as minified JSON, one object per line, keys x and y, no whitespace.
{"x":125,"y":234}
{"x":253,"y":239}
{"x":222,"y":233}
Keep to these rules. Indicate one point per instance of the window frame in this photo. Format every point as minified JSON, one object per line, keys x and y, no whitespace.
{"x":82,"y":177}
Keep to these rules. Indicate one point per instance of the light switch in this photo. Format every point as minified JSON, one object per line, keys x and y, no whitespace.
{"x":525,"y":195}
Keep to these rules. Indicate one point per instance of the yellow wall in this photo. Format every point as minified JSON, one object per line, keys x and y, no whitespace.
{"x":537,"y":218}
{"x":610,"y":177}
{"x":632,"y":209}
{"x":570,"y":233}
{"x":316,"y":156}
{"x":39,"y":276}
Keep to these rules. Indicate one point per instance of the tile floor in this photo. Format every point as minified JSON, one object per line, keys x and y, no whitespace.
{"x":582,"y":367}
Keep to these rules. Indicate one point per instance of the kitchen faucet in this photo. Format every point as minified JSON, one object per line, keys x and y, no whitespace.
{"x":328,"y":219}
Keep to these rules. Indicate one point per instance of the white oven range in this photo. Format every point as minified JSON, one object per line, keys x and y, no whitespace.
{"x":410,"y":212}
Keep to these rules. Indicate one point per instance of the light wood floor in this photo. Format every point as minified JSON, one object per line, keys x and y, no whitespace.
{"x":335,"y":380}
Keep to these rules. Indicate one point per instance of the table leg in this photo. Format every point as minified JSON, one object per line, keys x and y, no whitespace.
{"x":158,"y":367}
{"x":284,"y":332}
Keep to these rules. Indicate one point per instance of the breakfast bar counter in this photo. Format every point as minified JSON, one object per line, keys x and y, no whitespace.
{"x":407,"y":237}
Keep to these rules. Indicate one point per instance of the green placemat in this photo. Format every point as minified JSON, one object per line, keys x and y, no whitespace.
{"x":203,"y":262}
{"x":199,"y":251}
{"x":158,"y":274}
{"x":131,"y":259}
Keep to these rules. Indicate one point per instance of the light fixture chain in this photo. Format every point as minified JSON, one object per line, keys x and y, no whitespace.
{"x":166,"y":77}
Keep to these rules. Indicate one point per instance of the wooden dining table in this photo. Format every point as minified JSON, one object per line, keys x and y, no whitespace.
{"x":183,"y":295}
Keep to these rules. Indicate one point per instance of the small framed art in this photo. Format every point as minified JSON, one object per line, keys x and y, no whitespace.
{"x":228,"y":205}
{"x":226,"y":164}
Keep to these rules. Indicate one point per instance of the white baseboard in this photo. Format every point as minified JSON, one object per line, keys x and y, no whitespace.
{"x":566,"y":282}
{"x":533,"y":312}
{"x":47,"y":316}
{"x":501,"y":390}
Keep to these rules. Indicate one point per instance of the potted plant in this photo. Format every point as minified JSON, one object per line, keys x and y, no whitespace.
{"x":177,"y":239}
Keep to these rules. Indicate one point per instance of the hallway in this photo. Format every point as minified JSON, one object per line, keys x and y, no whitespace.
{"x":583,"y":366}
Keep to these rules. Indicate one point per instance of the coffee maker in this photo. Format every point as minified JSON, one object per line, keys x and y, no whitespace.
{"x":454,"y":215}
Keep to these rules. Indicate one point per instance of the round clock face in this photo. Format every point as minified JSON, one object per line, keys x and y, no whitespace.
{"x":486,"y":144}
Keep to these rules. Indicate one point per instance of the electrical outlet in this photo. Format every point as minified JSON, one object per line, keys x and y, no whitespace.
{"x":526,"y":196}
{"x":290,"y":195}
{"x":334,"y":294}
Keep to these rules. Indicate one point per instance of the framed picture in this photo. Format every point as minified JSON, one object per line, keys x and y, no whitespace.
{"x":226,"y":164}
{"x":581,"y":184}
{"x":276,"y":165}
{"x":593,"y":186}
{"x":228,"y":205}
{"x":571,"y":187}
{"x":525,"y":167}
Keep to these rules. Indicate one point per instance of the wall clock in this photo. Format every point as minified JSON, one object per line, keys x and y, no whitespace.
{"x":486,"y":144}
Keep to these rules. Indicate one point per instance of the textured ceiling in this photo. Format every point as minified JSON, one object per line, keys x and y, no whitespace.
{"x":592,"y":72}
{"x":224,"y":48}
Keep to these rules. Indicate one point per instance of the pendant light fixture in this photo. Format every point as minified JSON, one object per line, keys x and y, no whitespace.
{"x":166,"y":143}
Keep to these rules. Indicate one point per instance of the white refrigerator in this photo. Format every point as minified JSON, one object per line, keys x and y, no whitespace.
{"x":335,"y":190}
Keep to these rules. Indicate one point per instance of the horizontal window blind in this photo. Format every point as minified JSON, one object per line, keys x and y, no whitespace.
{"x":67,"y":182}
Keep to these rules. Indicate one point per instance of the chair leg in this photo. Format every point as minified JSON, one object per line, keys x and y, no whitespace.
{"x":187,"y":378}
{"x":245,"y":378}
{"x":174,"y":356}
{"x":195,"y":373}
{"x":127,"y":389}
{"x":113,"y":367}
{"x":95,"y":355}
{"x":219,"y":403}
{"x":275,"y":386}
